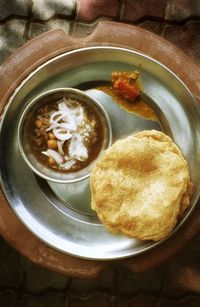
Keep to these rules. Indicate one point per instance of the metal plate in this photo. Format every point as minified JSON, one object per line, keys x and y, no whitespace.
{"x":60,"y":214}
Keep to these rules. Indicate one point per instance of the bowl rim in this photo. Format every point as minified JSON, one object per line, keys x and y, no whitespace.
{"x":23,"y":118}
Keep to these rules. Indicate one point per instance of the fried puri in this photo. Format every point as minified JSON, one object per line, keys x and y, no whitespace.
{"x":141,"y":186}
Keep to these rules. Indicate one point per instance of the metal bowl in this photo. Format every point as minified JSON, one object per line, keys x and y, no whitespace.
{"x":26,"y":149}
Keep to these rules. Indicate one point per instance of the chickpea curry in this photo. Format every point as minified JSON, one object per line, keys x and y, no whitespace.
{"x":66,"y":135}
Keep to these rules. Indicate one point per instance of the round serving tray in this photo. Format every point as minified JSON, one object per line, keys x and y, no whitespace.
{"x":60,"y":214}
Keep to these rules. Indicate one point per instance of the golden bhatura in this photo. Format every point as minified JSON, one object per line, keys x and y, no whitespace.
{"x":141,"y":186}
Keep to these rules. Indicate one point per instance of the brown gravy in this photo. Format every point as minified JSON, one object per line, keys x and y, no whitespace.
{"x":138,"y":107}
{"x":94,"y":145}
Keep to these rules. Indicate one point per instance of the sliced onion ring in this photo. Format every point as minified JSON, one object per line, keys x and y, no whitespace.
{"x":54,"y":155}
{"x":62,"y":134}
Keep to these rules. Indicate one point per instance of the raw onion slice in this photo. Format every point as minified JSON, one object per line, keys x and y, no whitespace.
{"x":62,"y":134}
{"x":54,"y":155}
{"x":67,"y":165}
{"x":60,"y":147}
{"x":68,"y":123}
{"x":77,"y":149}
{"x":63,"y":106}
{"x":79,"y":119}
{"x":74,"y":108}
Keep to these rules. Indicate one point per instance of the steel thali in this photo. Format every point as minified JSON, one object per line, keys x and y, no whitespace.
{"x":60,"y":214}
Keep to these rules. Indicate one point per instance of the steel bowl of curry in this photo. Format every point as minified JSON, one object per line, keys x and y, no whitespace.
{"x":61,"y":134}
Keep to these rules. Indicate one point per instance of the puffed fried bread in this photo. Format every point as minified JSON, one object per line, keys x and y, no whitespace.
{"x":141,"y":186}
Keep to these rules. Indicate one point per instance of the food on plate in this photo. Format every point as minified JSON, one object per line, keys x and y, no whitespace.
{"x":125,"y":85}
{"x":66,"y":135}
{"x":141,"y":186}
{"x":125,"y":89}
